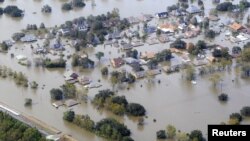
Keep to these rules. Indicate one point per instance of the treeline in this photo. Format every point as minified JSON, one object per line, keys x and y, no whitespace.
{"x":107,"y":128}
{"x":18,"y":77}
{"x":117,"y":104}
{"x":171,"y":133}
{"x":14,"y":130}
{"x":73,"y":4}
{"x":229,"y":6}
{"x":92,"y":30}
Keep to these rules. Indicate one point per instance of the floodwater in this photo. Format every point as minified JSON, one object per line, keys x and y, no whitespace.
{"x":173,"y":101}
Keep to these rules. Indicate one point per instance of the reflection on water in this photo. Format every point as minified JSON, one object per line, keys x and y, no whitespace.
{"x":173,"y":101}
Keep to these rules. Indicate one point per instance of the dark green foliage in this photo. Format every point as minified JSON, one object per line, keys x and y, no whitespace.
{"x":223,"y":97}
{"x":17,"y":36}
{"x":59,"y":63}
{"x":221,"y":52}
{"x":161,"y":134}
{"x":121,"y":100}
{"x":56,"y":94}
{"x":84,"y":122}
{"x":85,"y":62}
{"x":4,"y":46}
{"x":78,"y":3}
{"x":236,"y":116}
{"x":245,"y":71}
{"x":132,"y":53}
{"x":225,"y":6}
{"x":14,"y":130}
{"x":28,"y":102}
{"x":67,"y":6}
{"x":164,"y":55}
{"x":209,"y":34}
{"x":201,"y":45}
{"x":69,"y":116}
{"x":245,"y":111}
{"x":1,"y":11}
{"x":111,"y":129}
{"x":104,"y":71}
{"x":196,"y":135}
{"x":102,"y":96}
{"x":135,"y":109}
{"x":236,"y":50}
{"x":152,"y":64}
{"x":13,"y":11}
{"x":69,"y":90}
{"x":179,"y":44}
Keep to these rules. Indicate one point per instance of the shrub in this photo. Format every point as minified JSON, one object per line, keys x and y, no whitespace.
{"x":161,"y":134}
{"x":135,"y":109}
{"x":223,"y":97}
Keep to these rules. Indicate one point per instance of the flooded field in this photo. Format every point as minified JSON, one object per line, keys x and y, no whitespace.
{"x":173,"y":101}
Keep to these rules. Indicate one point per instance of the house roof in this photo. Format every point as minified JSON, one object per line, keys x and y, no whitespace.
{"x":236,"y":26}
{"x":117,"y":62}
{"x":148,"y":55}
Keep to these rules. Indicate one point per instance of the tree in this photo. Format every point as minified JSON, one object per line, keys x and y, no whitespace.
{"x":161,"y":134}
{"x":42,"y":26}
{"x":99,"y":55}
{"x":104,"y":71}
{"x":225,"y":6}
{"x":78,"y":3}
{"x":67,"y":7}
{"x":69,"y":116}
{"x":33,"y":85}
{"x":56,"y":94}
{"x":171,"y":131}
{"x":209,"y":34}
{"x":215,"y":78}
{"x":246,"y":55}
{"x":181,"y":136}
{"x":111,"y":129}
{"x":196,"y":135}
{"x":13,"y":11}
{"x":245,"y":111}
{"x":135,"y":109}
{"x":190,"y":73}
{"x":223,"y":97}
{"x":28,"y":102}
{"x":201,"y":45}
{"x":69,"y":90}
{"x":179,"y":44}
{"x":235,"y":119}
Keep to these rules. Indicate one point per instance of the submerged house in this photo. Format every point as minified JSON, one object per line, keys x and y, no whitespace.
{"x":161,"y":15}
{"x":29,"y":38}
{"x":84,"y":80}
{"x":71,"y":77}
{"x":139,"y":74}
{"x":193,"y":9}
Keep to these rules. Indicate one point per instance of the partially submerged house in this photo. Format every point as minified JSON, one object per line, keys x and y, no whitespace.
{"x":236,"y":26}
{"x":161,"y":15}
{"x":139,"y":74}
{"x":167,"y":28}
{"x":148,"y":55}
{"x":84,"y":80}
{"x":193,"y":9}
{"x":117,"y":62}
{"x":29,"y":38}
{"x":71,"y":77}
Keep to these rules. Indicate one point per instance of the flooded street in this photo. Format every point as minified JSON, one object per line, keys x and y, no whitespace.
{"x":173,"y":101}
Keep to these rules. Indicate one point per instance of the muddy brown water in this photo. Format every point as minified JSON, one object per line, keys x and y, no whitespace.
{"x":173,"y":101}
